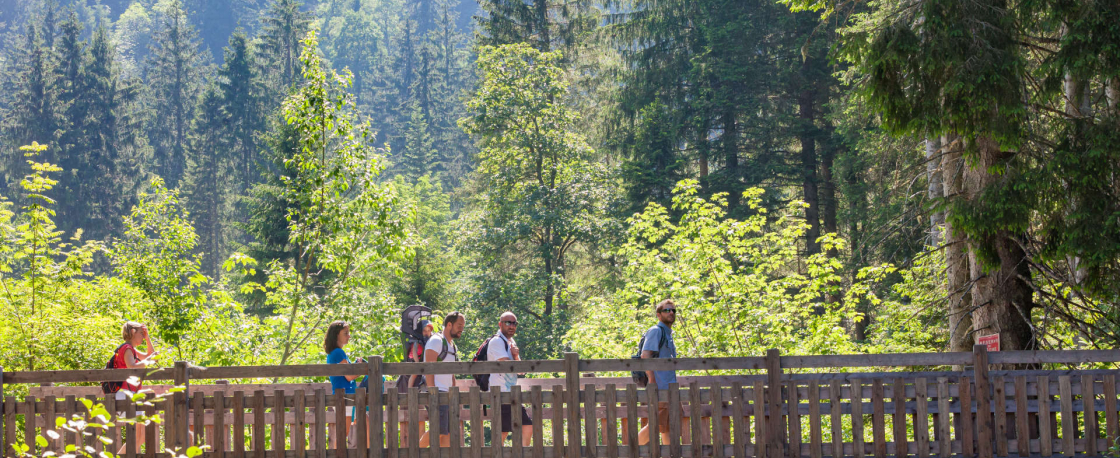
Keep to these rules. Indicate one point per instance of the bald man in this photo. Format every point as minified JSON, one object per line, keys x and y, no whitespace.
{"x":502,"y":347}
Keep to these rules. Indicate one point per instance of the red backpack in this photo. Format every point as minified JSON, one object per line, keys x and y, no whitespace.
{"x":113,"y":387}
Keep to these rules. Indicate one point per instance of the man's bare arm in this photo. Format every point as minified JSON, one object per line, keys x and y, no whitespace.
{"x":646,"y":354}
{"x":430,"y":356}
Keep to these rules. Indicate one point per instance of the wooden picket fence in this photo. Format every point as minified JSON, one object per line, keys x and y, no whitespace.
{"x":781,"y":407}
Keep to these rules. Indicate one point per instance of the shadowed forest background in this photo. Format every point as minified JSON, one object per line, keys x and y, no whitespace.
{"x":810,"y":176}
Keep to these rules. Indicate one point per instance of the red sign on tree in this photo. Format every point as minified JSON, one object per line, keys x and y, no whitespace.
{"x":991,"y":341}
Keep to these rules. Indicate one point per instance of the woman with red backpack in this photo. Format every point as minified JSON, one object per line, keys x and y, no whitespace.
{"x":128,"y":357}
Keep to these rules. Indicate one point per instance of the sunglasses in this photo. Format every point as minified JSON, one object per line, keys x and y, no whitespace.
{"x":511,"y":323}
{"x":669,"y":310}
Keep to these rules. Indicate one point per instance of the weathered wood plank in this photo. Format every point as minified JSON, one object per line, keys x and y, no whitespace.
{"x":944,"y":440}
{"x":878,"y":419}
{"x":793,"y":420}
{"x":921,"y":417}
{"x":299,"y":424}
{"x":898,"y":392}
{"x":496,"y":422}
{"x":414,"y":422}
{"x":557,"y":421}
{"x":1045,"y":443}
{"x":392,"y":435}
{"x":999,"y":398}
{"x":360,"y":420}
{"x":859,"y":444}
{"x":610,"y":433}
{"x":474,"y":396}
{"x":590,"y":422}
{"x":278,"y":428}
{"x":133,"y":442}
{"x":1112,"y":429}
{"x":537,"y":397}
{"x":1069,"y":422}
{"x":455,"y":421}
{"x":836,"y":424}
{"x":320,"y":436}
{"x":739,"y":433}
{"x":1088,"y":396}
{"x":717,"y":422}
{"x":632,"y":419}
{"x":238,"y":408}
{"x":1022,"y":430}
{"x":761,"y":439}
{"x":434,"y":430}
{"x":258,"y":424}
{"x":967,"y":431}
{"x":654,"y":422}
{"x":674,"y":421}
{"x":815,"y":432}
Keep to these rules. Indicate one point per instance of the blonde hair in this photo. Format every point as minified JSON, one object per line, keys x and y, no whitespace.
{"x":129,"y":326}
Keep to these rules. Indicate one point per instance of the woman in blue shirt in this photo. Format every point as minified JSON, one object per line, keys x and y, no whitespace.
{"x":338,"y":335}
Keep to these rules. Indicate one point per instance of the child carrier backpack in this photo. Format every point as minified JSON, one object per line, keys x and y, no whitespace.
{"x":483,"y":380}
{"x":112,"y":387}
{"x":402,"y":382}
{"x":640,"y":377}
{"x":411,"y":336}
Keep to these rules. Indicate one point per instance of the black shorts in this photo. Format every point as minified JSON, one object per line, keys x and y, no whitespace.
{"x":444,"y":420}
{"x":507,"y":418}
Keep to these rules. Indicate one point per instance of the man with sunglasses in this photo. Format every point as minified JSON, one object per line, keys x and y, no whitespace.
{"x":502,"y":347}
{"x":659,"y":344}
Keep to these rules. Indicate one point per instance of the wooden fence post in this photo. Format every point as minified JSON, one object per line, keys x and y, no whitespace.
{"x":776,"y":429}
{"x":571,"y":382}
{"x":983,"y":401}
{"x":374,"y":389}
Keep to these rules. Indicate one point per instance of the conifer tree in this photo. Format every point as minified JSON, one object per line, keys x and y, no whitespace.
{"x":419,"y":157}
{"x":544,"y":24}
{"x":206,"y":182}
{"x":283,"y":27}
{"x":176,"y":69}
{"x":32,"y":102}
{"x":242,"y":91}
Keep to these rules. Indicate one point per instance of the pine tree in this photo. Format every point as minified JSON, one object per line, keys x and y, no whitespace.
{"x":206,"y":183}
{"x":32,"y":99}
{"x":547,"y":25}
{"x":283,"y":27}
{"x":114,"y":140}
{"x":419,"y":157}
{"x":176,"y":69}
{"x":355,"y":48}
{"x":242,"y":91}
{"x":74,"y":100}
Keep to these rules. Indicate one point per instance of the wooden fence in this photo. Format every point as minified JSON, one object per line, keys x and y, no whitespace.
{"x":778,"y":410}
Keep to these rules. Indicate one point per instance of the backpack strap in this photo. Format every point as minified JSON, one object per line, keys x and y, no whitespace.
{"x":443,"y":353}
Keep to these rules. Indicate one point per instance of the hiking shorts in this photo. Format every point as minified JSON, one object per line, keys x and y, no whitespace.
{"x":507,"y":418}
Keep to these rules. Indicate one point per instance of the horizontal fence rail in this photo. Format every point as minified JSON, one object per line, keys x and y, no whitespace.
{"x":773,"y":413}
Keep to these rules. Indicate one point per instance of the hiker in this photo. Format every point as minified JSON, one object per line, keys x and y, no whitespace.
{"x":338,"y":335}
{"x":443,"y":344}
{"x":502,"y":347}
{"x":658,"y":343}
{"x":128,"y":357}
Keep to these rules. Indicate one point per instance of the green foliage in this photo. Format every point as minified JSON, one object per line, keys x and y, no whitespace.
{"x":740,"y":285}
{"x":341,"y":222}
{"x":543,"y":195}
{"x":156,"y":256}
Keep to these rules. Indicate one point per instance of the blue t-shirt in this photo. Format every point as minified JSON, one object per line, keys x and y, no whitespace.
{"x":653,"y":338}
{"x":338,"y":381}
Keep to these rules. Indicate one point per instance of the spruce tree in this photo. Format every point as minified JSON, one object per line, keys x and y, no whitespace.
{"x":206,"y":183}
{"x":242,"y":91}
{"x":419,"y":157}
{"x":283,"y":27}
{"x":176,"y":69}
{"x":544,"y":24}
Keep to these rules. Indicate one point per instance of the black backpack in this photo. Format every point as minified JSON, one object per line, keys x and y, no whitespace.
{"x":640,"y":377}
{"x":483,"y":380}
{"x":112,"y":387}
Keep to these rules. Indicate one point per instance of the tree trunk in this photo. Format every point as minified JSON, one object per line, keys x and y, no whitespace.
{"x":809,"y":171}
{"x":1112,"y":93}
{"x":958,"y":286}
{"x":1002,"y":298}
{"x":935,"y":191}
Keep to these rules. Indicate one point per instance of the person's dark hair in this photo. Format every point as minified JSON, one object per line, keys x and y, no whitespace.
{"x":330,"y":342}
{"x":663,"y":304}
{"x":452,"y":317}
